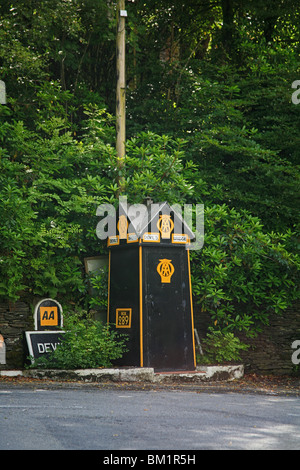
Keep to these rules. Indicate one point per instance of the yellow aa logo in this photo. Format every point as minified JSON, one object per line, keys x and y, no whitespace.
{"x":166,"y":270}
{"x":122,"y":226}
{"x":165,"y":225}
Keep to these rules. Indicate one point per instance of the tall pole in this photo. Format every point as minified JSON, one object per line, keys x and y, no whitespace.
{"x":120,"y":95}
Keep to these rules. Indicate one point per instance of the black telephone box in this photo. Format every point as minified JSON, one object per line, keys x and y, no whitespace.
{"x":150,"y":289}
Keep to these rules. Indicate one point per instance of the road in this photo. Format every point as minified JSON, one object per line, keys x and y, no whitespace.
{"x":124,"y":420}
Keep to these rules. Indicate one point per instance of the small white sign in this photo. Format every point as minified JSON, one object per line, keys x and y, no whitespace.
{"x":151,"y":237}
{"x":113,"y":240}
{"x":180,"y":238}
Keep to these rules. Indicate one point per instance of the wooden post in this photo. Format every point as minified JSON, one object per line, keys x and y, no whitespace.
{"x":121,"y":93}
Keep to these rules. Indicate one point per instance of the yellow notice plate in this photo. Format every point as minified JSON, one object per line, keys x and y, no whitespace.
{"x":123,"y":317}
{"x":48,"y":316}
{"x":113,"y":241}
{"x":180,"y":238}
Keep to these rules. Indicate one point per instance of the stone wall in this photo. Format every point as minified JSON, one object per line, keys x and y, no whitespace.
{"x":271,"y":351}
{"x":15,"y":319}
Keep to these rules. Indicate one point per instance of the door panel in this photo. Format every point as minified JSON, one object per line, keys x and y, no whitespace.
{"x":167,"y":311}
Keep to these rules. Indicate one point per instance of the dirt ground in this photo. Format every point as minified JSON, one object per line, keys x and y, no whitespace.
{"x":251,"y":383}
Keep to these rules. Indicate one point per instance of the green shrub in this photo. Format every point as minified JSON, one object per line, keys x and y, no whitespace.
{"x":242,"y":274}
{"x":86,"y":344}
{"x":221,"y":347}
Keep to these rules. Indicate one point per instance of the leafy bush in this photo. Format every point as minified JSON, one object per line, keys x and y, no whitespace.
{"x":86,"y":344}
{"x":242,"y":274}
{"x":50,"y":187}
{"x":221,"y":347}
{"x":99,"y":283}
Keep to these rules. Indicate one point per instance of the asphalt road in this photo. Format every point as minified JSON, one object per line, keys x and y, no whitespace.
{"x":125,"y":420}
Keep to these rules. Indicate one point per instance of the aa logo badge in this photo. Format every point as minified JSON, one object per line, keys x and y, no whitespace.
{"x":166,"y":270}
{"x":122,"y":226}
{"x":165,"y":225}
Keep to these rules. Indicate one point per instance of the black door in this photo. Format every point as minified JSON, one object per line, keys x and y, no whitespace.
{"x":168,"y":341}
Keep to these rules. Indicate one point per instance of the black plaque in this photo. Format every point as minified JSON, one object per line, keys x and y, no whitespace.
{"x":41,"y":343}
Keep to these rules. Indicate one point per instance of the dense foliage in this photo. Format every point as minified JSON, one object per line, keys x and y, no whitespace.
{"x":209,"y":120}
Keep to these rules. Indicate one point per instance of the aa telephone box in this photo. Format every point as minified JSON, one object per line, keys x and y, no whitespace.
{"x":150,"y":295}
